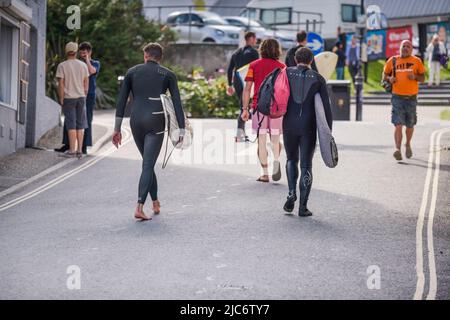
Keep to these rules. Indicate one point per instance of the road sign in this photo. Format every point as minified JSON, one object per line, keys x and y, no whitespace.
{"x":373,"y":17}
{"x":315,"y":43}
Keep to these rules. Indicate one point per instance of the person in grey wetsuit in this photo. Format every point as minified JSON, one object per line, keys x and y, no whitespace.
{"x":146,"y":82}
{"x":300,"y":128}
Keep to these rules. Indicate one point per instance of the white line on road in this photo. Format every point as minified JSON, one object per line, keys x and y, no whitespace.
{"x":430,"y":238}
{"x":434,"y":148}
{"x":63,"y":177}
{"x":58,"y":166}
{"x":419,"y":227}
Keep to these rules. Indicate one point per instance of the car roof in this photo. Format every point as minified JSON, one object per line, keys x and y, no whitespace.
{"x":201,"y":13}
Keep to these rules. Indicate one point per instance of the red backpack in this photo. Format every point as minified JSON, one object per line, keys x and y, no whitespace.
{"x":281,"y":92}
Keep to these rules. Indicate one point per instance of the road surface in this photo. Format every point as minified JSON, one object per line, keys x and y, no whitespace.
{"x":380,"y":229}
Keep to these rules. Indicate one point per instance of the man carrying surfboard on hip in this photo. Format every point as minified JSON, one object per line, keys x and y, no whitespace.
{"x":300,"y":127}
{"x":240,"y":58}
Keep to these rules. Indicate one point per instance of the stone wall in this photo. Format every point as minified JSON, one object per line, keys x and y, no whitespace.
{"x":211,"y":57}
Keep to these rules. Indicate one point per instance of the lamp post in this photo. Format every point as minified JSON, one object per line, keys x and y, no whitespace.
{"x":359,"y":79}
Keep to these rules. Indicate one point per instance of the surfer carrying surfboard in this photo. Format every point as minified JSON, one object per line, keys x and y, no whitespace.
{"x":146,"y":82}
{"x":300,"y":127}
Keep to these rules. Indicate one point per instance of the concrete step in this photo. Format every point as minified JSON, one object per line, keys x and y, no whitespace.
{"x":420,"y":102}
{"x":421,"y":96}
{"x":421,"y":92}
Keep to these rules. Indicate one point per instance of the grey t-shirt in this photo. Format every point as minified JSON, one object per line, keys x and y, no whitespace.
{"x":74,"y":72}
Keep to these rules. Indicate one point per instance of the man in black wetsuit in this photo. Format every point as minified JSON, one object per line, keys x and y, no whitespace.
{"x":147,"y":82}
{"x":240,"y":58}
{"x":290,"y":55}
{"x":300,"y":129}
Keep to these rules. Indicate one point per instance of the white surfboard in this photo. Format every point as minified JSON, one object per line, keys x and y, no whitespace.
{"x":326,"y":63}
{"x":242,"y":73}
{"x":328,"y":148}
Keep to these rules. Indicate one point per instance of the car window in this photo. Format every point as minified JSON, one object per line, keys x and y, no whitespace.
{"x":196,"y":19}
{"x":235,"y":22}
{"x":182,"y":19}
{"x":171,"y":20}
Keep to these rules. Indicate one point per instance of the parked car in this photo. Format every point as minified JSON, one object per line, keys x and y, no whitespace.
{"x":261,"y":30}
{"x":198,"y":26}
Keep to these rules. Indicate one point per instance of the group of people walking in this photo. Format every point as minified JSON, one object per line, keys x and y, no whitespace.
{"x":147,"y":81}
{"x":297,"y":126}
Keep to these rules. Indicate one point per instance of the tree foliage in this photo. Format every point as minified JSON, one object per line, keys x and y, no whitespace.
{"x":117,"y":30}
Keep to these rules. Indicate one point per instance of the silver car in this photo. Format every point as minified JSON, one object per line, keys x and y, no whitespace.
{"x":198,"y":26}
{"x":261,"y":30}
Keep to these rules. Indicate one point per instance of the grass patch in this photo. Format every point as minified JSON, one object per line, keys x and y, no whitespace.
{"x":445,"y":114}
{"x":375,"y":71}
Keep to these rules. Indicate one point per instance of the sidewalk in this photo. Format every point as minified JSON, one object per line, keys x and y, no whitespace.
{"x":26,"y":163}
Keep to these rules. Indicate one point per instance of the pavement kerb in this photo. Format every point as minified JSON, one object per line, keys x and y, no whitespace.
{"x":94,"y":151}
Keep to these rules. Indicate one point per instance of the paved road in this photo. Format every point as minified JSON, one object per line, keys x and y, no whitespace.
{"x":221,"y":235}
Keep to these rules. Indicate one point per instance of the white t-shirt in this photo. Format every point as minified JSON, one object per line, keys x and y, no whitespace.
{"x":73,"y":71}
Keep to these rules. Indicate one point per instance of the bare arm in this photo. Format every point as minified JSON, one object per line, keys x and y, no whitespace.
{"x":420,"y":77}
{"x":86,"y":85}
{"x":246,"y":94}
{"x":91,"y":68}
{"x":246,"y":100}
{"x":61,"y":90}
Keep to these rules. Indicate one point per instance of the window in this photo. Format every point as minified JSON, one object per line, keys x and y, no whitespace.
{"x":5,"y":63}
{"x":182,"y":19}
{"x":350,"y":13}
{"x":196,"y":19}
{"x":234,"y":22}
{"x":9,"y":63}
{"x":276,"y":16}
{"x":249,"y":13}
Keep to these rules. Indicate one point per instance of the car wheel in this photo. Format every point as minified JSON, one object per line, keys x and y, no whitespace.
{"x":210,"y":40}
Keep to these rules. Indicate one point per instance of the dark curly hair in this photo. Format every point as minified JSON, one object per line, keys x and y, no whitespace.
{"x":270,"y":49}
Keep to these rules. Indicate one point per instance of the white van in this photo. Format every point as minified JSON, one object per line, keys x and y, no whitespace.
{"x":320,"y":16}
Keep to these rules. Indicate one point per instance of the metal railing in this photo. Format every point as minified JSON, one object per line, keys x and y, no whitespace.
{"x":298,"y":20}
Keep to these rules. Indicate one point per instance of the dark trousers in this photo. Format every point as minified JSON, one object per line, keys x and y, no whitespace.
{"x":353,"y":70}
{"x":87,"y":141}
{"x":238,"y":88}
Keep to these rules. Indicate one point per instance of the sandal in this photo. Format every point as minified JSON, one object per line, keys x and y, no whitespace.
{"x":263,"y":179}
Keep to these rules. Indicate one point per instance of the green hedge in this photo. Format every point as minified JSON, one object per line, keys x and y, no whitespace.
{"x":207,"y":98}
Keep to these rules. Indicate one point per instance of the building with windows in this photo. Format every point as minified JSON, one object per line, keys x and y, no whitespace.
{"x":425,"y":17}
{"x":25,"y":112}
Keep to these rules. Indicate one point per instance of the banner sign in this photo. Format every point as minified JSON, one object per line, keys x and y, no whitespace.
{"x":394,"y":38}
{"x":376,"y":45}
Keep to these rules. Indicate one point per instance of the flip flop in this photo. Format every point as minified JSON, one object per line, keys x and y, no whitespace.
{"x":260,"y":179}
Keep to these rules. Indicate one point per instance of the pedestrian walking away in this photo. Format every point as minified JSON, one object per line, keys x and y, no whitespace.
{"x":147,"y":118}
{"x":300,"y":128}
{"x":270,"y":53}
{"x":73,"y":85}
{"x":302,"y":41}
{"x":435,"y":50}
{"x":241,"y":57}
{"x":85,"y":50}
{"x":340,"y":66}
{"x":409,"y":71}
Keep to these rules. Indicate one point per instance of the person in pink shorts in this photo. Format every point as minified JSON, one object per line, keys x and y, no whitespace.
{"x":270,"y":52}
